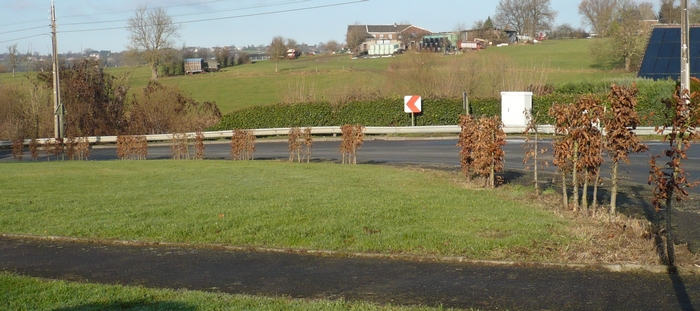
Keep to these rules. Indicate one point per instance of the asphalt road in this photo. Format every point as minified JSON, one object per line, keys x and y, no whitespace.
{"x":457,"y":285}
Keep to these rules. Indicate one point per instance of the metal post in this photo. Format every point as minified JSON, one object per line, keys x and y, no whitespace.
{"x":685,"y":47}
{"x":413,"y":119}
{"x":465,"y":102}
{"x":59,"y":111}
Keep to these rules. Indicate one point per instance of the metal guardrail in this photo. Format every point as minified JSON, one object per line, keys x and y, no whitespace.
{"x":329,"y":130}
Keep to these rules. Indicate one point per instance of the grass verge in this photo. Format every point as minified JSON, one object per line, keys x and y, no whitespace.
{"x":25,"y":293}
{"x":362,"y":208}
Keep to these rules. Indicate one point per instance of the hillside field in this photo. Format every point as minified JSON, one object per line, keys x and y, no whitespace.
{"x":329,"y":76}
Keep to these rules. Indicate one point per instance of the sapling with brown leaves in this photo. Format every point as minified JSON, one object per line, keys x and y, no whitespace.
{"x":199,"y":146}
{"x":294,"y":144}
{"x":671,"y":180}
{"x":532,"y":148}
{"x":620,"y":138}
{"x":489,"y":157}
{"x":17,"y":145}
{"x":242,"y":145}
{"x":308,"y":144}
{"x":467,"y":143}
{"x":353,"y":137}
{"x":564,"y":145}
{"x":577,"y":149}
{"x":588,"y":136}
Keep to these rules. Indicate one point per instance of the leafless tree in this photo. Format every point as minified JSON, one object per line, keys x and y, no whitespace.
{"x":628,"y":32}
{"x":598,"y":14}
{"x":669,"y":12}
{"x":694,"y":12}
{"x":151,"y":34}
{"x":277,"y":49}
{"x":355,"y":36}
{"x":12,"y":51}
{"x":291,"y":43}
{"x":331,"y":46}
{"x":525,"y":16}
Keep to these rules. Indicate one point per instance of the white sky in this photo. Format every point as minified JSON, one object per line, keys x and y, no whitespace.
{"x":99,"y":24}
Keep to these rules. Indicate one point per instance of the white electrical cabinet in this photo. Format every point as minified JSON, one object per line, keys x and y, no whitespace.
{"x":513,"y":107}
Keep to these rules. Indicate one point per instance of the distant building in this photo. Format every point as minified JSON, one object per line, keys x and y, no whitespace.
{"x":389,"y":38}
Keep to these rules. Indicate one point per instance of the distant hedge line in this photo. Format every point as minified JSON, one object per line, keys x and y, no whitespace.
{"x":439,"y":111}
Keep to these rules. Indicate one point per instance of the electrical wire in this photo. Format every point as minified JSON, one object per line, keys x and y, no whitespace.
{"x":27,"y":37}
{"x":230,"y":17}
{"x":163,"y":7}
{"x":25,"y":29}
{"x":192,"y":14}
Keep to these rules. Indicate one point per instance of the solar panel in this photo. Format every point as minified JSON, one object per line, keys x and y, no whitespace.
{"x":662,"y":58}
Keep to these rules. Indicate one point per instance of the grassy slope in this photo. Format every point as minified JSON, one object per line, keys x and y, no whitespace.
{"x":258,"y":84}
{"x":273,"y":204}
{"x":566,"y":60}
{"x":24,"y":293}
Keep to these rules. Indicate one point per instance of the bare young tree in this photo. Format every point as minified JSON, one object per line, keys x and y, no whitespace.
{"x":12,"y":51}
{"x":669,"y":12}
{"x":355,"y":36}
{"x":628,"y":32}
{"x":331,"y":46}
{"x":152,"y":33}
{"x":525,"y":16}
{"x":277,"y":49}
{"x":598,"y":14}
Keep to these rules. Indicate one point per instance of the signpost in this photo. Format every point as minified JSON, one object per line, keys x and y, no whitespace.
{"x":412,"y":105}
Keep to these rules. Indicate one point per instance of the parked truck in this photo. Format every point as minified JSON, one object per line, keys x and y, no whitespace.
{"x":195,"y":65}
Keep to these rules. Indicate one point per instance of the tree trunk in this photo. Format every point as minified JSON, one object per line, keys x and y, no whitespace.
{"x":670,"y":251}
{"x":628,"y":63}
{"x":596,"y":181}
{"x":613,"y":189}
{"x":574,"y":178}
{"x":154,"y":71}
{"x":564,"y":194}
{"x":537,"y":186}
{"x":584,"y":194}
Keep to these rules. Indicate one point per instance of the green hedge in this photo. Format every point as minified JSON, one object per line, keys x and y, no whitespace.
{"x":436,"y":111}
{"x":381,"y":112}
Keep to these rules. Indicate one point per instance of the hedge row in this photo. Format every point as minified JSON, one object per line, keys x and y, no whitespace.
{"x":440,"y":111}
{"x":382,"y":112}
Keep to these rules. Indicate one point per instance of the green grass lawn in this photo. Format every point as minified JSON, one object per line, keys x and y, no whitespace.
{"x":363,"y":208}
{"x":25,"y":293}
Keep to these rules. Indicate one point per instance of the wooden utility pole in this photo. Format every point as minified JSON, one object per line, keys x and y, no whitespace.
{"x":59,"y":110}
{"x":685,"y":47}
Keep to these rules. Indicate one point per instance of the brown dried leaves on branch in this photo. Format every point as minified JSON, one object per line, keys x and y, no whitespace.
{"x":242,"y":145}
{"x":353,"y":137}
{"x":482,"y":148}
{"x":299,"y":149}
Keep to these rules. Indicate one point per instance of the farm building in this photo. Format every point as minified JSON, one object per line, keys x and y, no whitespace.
{"x":389,"y":38}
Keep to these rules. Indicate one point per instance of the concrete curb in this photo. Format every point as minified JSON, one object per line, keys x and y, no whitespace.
{"x":625,"y":267}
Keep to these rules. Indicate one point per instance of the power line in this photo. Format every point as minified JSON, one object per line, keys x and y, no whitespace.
{"x":20,"y":30}
{"x":17,"y":39}
{"x":163,"y":7}
{"x":192,"y":14}
{"x":232,"y":17}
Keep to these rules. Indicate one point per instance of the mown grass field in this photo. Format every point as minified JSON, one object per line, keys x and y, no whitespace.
{"x":321,"y":77}
{"x":25,"y":293}
{"x":361,"y":208}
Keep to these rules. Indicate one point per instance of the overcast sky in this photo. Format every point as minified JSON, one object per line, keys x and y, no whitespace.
{"x":99,"y":24}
